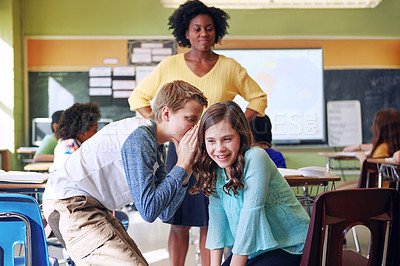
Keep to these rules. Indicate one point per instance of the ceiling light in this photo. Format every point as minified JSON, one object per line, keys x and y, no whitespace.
{"x":259,"y":4}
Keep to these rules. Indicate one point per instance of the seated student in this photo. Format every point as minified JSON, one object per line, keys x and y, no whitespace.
{"x":386,"y":136}
{"x":45,"y":153}
{"x":386,"y":140}
{"x":261,"y":128}
{"x":124,"y":162}
{"x":77,"y":124}
{"x":252,"y":207}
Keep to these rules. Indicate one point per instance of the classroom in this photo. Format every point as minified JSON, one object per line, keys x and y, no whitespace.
{"x":52,"y":53}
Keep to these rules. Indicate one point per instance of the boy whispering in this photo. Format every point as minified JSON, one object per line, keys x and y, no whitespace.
{"x":124,"y":163}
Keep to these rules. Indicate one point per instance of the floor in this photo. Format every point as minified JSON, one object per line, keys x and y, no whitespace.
{"x":152,"y":240}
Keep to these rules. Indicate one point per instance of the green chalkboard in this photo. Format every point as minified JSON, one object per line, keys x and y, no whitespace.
{"x":376,"y":89}
{"x":65,"y":88}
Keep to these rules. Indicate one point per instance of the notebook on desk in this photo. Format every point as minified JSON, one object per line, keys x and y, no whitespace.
{"x":289,"y":172}
{"x":389,"y":160}
{"x":23,"y":177}
{"x":339,"y":154}
{"x":310,"y":171}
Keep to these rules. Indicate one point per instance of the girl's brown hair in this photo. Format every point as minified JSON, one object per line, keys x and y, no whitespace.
{"x":204,"y":167}
{"x":386,"y":129}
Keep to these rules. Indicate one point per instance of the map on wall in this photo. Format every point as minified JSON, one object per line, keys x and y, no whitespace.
{"x":293,"y":82}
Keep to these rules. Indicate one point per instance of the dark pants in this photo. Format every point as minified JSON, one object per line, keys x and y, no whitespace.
{"x":277,"y":257}
{"x":194,"y":208}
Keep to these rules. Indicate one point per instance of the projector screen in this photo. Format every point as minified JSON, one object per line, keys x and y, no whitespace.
{"x":293,"y":82}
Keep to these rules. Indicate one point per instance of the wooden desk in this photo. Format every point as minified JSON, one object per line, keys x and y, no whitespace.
{"x":387,"y":170}
{"x":343,"y":162}
{"x":32,"y":189}
{"x":29,"y":188}
{"x":27,"y":150}
{"x":26,"y":154}
{"x":307,"y":185}
{"x":297,"y":181}
{"x":37,"y":167}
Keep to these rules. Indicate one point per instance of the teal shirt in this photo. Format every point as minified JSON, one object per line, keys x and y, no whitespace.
{"x":264,"y":216}
{"x":48,"y":144}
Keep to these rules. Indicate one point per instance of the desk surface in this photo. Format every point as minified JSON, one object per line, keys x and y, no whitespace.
{"x":38,"y":167}
{"x":339,"y":155}
{"x":6,"y":185}
{"x":383,"y":161}
{"x":27,"y":188}
{"x":27,"y":150}
{"x":296,"y":178}
{"x":296,"y":181}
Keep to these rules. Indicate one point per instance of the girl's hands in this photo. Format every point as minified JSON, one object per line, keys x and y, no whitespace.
{"x":361,"y":156}
{"x":186,"y":150}
{"x":352,"y":148}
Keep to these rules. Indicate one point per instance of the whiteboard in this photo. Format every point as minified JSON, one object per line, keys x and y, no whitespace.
{"x":344,"y":123}
{"x":293,"y":82}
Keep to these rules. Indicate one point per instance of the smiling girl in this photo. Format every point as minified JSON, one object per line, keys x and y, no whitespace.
{"x":252,"y":207}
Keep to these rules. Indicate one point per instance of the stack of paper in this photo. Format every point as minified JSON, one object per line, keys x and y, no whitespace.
{"x":310,"y":171}
{"x":23,"y":177}
{"x":289,"y":172}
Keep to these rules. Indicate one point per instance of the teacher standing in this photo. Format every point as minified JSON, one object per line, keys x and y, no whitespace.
{"x":199,"y":28}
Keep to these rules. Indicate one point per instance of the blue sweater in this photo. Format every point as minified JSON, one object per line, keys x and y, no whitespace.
{"x":154,"y":191}
{"x":122,"y":163}
{"x":264,"y":216}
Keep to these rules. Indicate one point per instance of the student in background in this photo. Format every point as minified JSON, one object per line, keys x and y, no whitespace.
{"x":252,"y":207}
{"x":77,"y":124}
{"x":123,"y":163}
{"x":386,"y":136}
{"x":45,"y":153}
{"x":261,"y":128}
{"x":385,"y":142}
{"x":198,"y":27}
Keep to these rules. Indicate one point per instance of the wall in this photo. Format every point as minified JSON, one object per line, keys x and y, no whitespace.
{"x":6,"y":75}
{"x":147,"y":17}
{"x":11,"y":87}
{"x":338,"y":54}
{"x":349,"y":32}
{"x":20,"y":96}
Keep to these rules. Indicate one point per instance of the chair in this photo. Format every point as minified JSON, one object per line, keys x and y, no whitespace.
{"x":335,"y":212}
{"x":369,"y":175}
{"x":21,"y":224}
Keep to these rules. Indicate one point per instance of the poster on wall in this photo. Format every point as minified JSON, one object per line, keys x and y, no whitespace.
{"x":149,"y":52}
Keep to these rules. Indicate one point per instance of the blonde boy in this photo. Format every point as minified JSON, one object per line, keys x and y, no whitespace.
{"x":124,"y":162}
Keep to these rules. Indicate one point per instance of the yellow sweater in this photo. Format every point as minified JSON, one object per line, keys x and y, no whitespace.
{"x":382,"y":151}
{"x":222,"y":83}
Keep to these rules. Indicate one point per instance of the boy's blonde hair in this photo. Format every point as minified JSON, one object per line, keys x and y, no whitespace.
{"x":174,"y":95}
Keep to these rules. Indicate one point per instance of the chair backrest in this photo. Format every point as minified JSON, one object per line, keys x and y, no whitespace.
{"x":369,"y":175}
{"x":336,"y":212}
{"x":21,"y":224}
